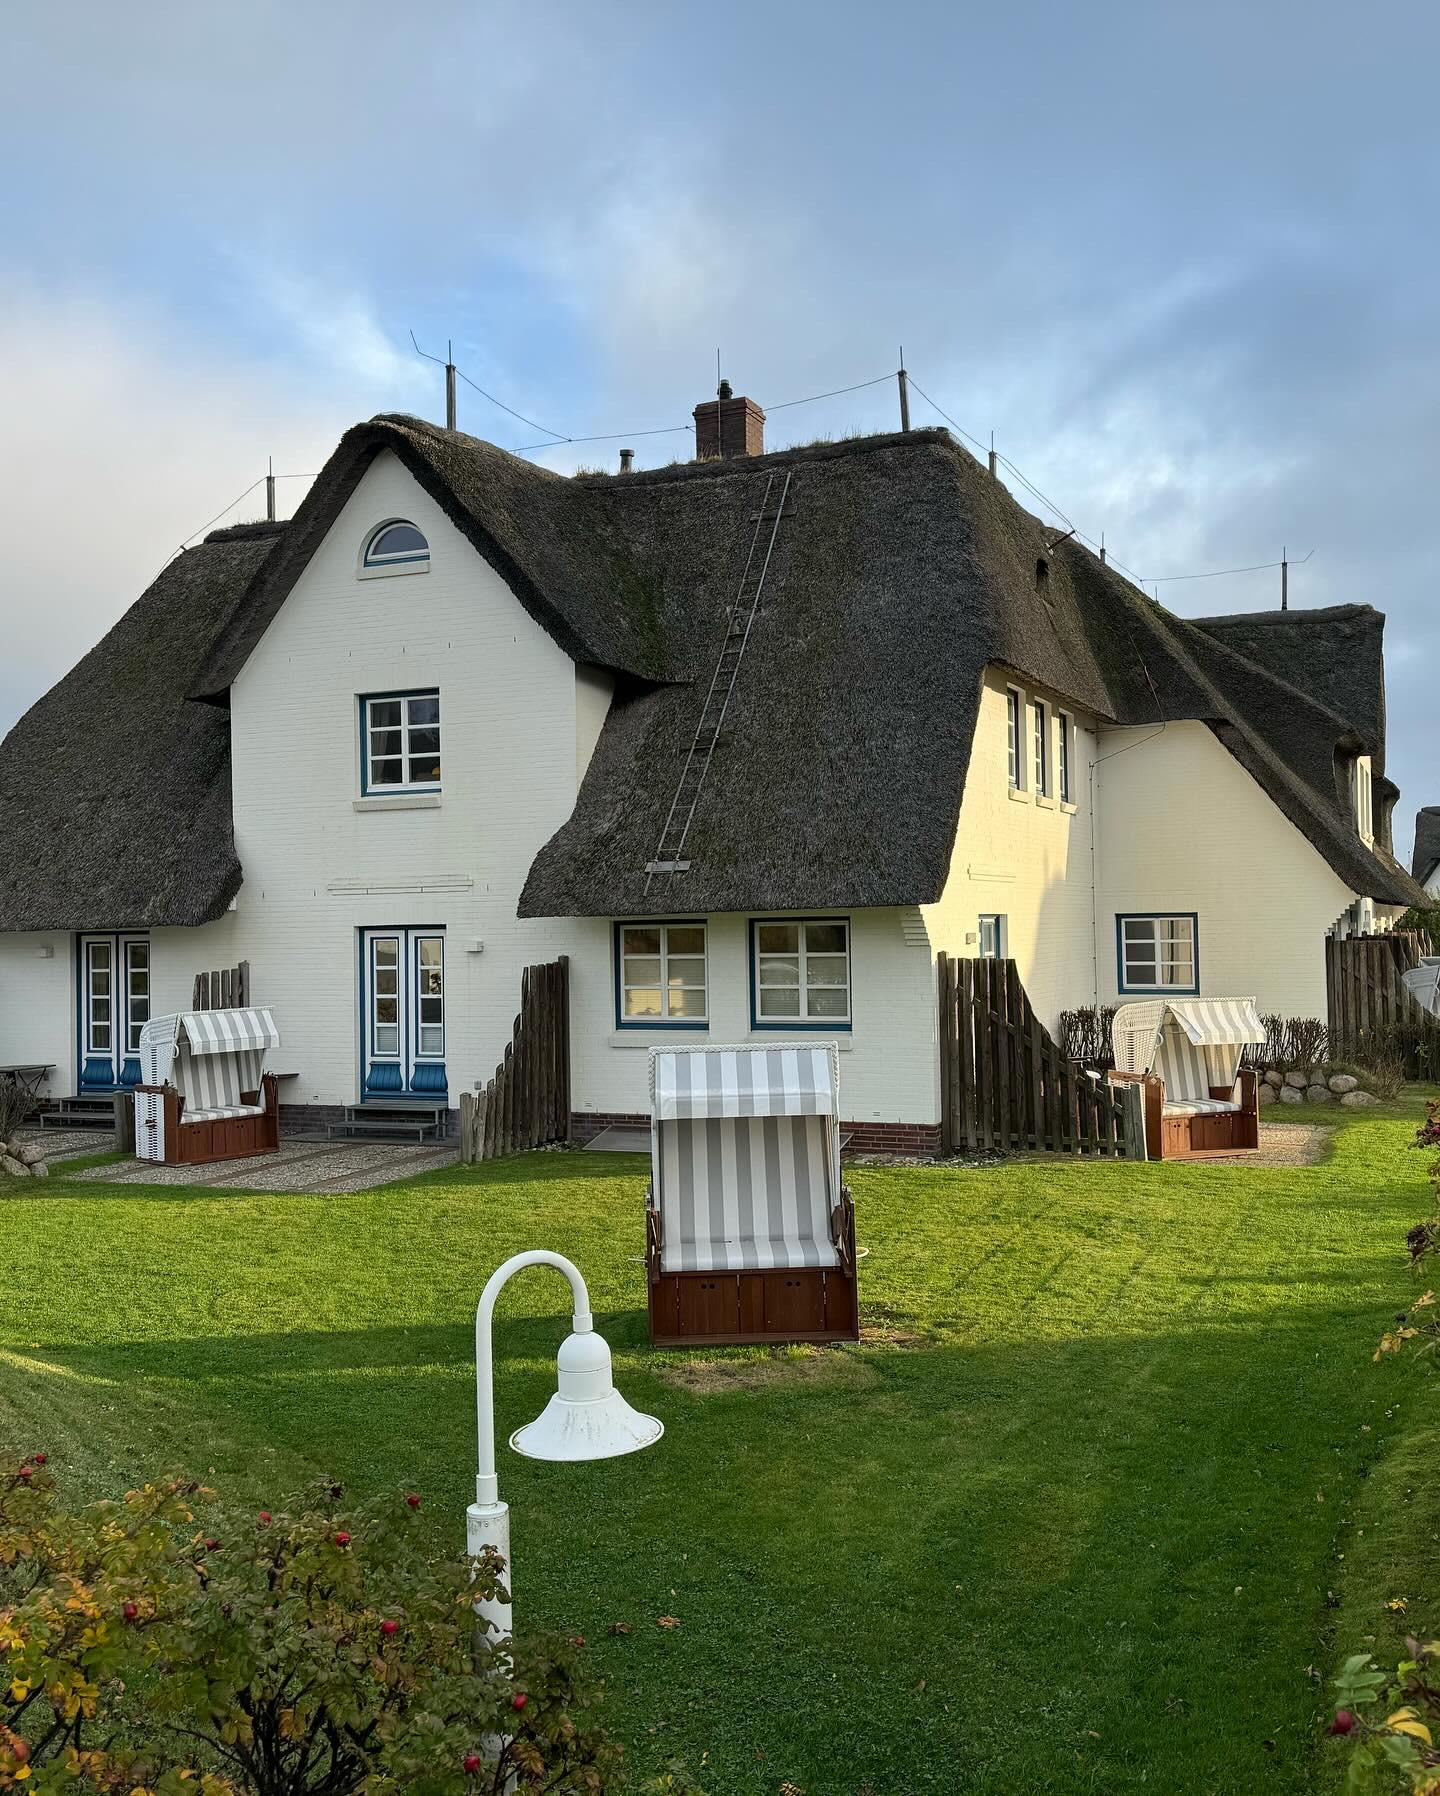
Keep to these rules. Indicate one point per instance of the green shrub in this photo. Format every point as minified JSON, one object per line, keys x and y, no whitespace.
{"x":313,"y":1651}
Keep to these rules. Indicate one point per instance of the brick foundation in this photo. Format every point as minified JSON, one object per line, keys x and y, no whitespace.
{"x":913,"y":1140}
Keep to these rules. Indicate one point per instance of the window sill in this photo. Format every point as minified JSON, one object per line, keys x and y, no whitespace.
{"x":1068,"y":808}
{"x":1045,"y":801}
{"x":1019,"y":795}
{"x":682,"y":1033}
{"x":391,"y":573}
{"x":788,"y":1038}
{"x":399,"y":801}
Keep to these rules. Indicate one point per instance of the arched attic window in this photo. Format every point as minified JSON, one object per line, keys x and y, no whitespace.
{"x":395,"y":545}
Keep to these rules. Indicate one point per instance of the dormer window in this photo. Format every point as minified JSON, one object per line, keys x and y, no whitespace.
{"x":1362,"y":799}
{"x":396,"y":547}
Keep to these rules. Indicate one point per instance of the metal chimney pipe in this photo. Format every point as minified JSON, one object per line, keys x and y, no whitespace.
{"x":627,"y":461}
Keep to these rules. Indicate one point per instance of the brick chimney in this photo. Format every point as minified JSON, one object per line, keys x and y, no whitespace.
{"x":728,"y":426}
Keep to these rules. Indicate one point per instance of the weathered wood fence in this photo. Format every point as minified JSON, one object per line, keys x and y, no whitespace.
{"x":1004,"y":1083}
{"x":224,"y":990}
{"x":1370,"y":1012}
{"x":527,"y":1103}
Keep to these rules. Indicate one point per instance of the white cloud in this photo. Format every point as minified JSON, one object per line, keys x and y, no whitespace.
{"x":122,"y":438}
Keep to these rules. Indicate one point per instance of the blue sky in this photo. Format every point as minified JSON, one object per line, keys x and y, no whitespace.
{"x":1180,"y":260}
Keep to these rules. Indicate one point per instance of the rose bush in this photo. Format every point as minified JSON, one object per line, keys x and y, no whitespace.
{"x":310,"y":1649}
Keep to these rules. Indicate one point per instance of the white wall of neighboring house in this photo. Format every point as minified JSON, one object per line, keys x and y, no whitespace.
{"x":888,"y":1057}
{"x":1024,"y":855}
{"x":1182,"y":827}
{"x":37,"y":1004}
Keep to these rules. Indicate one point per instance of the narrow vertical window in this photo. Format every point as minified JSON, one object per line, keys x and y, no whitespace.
{"x":1042,"y":749}
{"x":1012,"y":710}
{"x":430,"y":996}
{"x":1067,"y":792}
{"x":137,"y":992}
{"x":101,"y":996}
{"x":992,"y":938}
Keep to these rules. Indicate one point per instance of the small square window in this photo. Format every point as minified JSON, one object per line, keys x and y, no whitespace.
{"x":400,"y":738}
{"x":1158,"y":954}
{"x":800,"y":973}
{"x":661,"y":974}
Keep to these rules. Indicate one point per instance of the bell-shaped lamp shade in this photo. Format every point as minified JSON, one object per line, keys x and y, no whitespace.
{"x":587,"y":1418}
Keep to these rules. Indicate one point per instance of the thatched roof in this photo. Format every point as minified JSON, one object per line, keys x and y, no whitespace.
{"x":902,"y":571}
{"x":114,"y":792}
{"x":1426,"y":857}
{"x":534,"y":528}
{"x":905,"y":570}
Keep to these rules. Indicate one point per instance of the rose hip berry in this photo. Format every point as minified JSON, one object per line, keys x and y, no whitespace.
{"x":264,"y":1518}
{"x":129,"y":1611}
{"x":342,"y":1539}
{"x":471,"y":1763}
{"x":40,"y":1458}
{"x":389,"y":1627}
{"x":413,"y":1500}
{"x":518,"y":1701}
{"x":1344,"y":1721}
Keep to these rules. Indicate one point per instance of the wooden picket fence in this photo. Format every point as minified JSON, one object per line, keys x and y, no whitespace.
{"x":223,"y":990}
{"x":527,"y":1103}
{"x":1004,"y":1083}
{"x":1370,"y":1012}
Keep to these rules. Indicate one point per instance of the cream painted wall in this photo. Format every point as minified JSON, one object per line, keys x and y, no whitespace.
{"x":1182,"y":827}
{"x":1024,"y":856}
{"x":888,"y":1059}
{"x":517,"y":724}
{"x":37,"y":1005}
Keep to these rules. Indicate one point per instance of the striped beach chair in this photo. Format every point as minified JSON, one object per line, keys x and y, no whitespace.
{"x":204,"y":1093}
{"x":750,"y":1234}
{"x":1187,"y":1052}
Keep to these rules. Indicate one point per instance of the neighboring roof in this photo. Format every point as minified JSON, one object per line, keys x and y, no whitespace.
{"x":538,"y":530}
{"x":1335,"y":654}
{"x":1426,"y":857}
{"x":115,"y":793}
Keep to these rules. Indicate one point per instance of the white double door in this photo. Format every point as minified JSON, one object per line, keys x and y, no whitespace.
{"x":114,"y":1006}
{"x":402,"y":984}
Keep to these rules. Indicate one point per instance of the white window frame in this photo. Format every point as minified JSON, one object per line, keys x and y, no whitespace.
{"x":1163,"y":984}
{"x":1362,"y":787}
{"x":411,"y":561}
{"x":623,"y":985}
{"x":1066,"y":725}
{"x":420,"y":997}
{"x":134,"y":1024}
{"x":1015,"y":728}
{"x":1040,"y":747}
{"x":998,"y":930}
{"x":369,"y":786}
{"x":111,"y":999}
{"x":802,"y":1021}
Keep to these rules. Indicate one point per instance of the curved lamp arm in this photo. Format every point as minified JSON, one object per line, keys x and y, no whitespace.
{"x":486,"y":1480}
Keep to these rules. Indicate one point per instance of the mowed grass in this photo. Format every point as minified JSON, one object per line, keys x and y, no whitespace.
{"x":1088,"y":1511}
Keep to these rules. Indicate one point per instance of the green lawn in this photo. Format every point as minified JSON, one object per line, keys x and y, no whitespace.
{"x":1080,"y":1518}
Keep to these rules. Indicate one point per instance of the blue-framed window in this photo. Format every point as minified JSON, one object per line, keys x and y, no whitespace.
{"x":800,"y":973}
{"x":1158,"y":951}
{"x":992,"y":937}
{"x":1041,"y":747}
{"x":396,"y":544}
{"x":400,"y":741}
{"x":662,"y":976}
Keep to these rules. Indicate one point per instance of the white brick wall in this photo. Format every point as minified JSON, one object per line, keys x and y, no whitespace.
{"x":1183,"y":827}
{"x":37,"y":1005}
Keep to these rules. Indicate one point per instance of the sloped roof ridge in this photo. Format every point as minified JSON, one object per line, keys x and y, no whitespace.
{"x":1297,"y":614}
{"x":718,"y":467}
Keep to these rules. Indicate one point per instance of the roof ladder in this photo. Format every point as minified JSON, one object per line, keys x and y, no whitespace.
{"x":669,"y":856}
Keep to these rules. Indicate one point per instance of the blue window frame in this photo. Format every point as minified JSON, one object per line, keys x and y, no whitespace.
{"x":800,"y":974}
{"x":396,"y":544}
{"x":402,"y":1012}
{"x":400,"y":741}
{"x":662,"y":978}
{"x":1158,"y":953}
{"x":992,"y":937}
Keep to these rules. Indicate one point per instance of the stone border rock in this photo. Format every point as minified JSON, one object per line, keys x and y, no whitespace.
{"x":1313,"y":1085}
{"x":23,"y":1160}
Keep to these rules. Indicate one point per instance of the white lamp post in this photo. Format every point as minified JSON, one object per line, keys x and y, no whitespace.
{"x":587,"y":1418}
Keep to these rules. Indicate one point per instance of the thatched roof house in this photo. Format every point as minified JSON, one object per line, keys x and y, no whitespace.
{"x":902,"y":571}
{"x":1425,"y":863}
